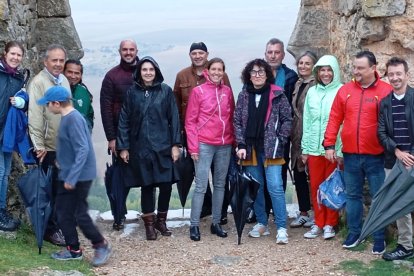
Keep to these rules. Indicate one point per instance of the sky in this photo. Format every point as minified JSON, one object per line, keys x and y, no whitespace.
{"x":236,"y":31}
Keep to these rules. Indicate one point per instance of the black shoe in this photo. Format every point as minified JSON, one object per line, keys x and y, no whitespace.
{"x":119,"y":225}
{"x":195,"y":233}
{"x":216,"y":229}
{"x":399,"y":253}
{"x":223,"y":220}
{"x":6,"y":225}
{"x":56,"y":238}
{"x":8,"y":217}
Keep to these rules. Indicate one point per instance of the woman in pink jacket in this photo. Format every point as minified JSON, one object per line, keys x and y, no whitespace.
{"x":210,"y":135}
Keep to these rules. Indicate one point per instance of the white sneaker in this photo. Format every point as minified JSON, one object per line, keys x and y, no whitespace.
{"x":282,"y":236}
{"x":328,"y":232}
{"x":299,"y":221}
{"x":313,"y":233}
{"x":309,"y":223}
{"x":259,"y":230}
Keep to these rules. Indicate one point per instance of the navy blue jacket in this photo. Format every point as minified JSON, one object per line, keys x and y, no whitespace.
{"x":9,"y":86}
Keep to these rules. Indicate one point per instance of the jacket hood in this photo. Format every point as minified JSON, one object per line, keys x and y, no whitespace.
{"x":208,"y":80}
{"x":158,"y":76}
{"x":328,"y":60}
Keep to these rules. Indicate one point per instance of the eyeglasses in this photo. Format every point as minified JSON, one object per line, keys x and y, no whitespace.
{"x":259,"y":73}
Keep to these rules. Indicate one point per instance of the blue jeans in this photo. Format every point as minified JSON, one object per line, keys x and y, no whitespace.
{"x":5,"y":167}
{"x":220,"y":156}
{"x":356,"y":168}
{"x":272,"y":176}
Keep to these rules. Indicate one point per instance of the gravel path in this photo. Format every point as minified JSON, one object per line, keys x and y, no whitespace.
{"x":178,"y":255}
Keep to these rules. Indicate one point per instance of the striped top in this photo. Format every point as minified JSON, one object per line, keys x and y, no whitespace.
{"x":401,"y":134}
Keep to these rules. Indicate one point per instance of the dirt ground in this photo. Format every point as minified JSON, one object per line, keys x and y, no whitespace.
{"x":178,"y":255}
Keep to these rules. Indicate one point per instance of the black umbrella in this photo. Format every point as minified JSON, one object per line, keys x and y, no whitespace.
{"x":119,"y":178}
{"x":35,"y":188}
{"x":392,"y":201}
{"x":243,"y":191}
{"x":185,"y":168}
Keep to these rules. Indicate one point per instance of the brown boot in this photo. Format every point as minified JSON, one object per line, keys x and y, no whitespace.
{"x":149,"y":220}
{"x":160,"y":224}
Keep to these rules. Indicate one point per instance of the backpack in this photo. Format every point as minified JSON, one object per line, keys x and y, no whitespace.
{"x":331,"y":192}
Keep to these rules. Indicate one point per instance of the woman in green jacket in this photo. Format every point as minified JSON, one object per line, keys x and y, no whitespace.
{"x":317,"y":107}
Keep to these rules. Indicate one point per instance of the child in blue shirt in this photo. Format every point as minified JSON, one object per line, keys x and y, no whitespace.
{"x":77,"y":169}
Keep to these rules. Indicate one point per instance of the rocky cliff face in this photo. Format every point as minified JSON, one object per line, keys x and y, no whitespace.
{"x":38,"y":23}
{"x":343,"y":28}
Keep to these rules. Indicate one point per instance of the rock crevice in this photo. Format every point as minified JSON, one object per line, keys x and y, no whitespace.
{"x":343,"y":28}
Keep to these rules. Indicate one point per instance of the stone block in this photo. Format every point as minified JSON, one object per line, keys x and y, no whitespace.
{"x":4,"y":10}
{"x":322,"y":3}
{"x":57,"y":30}
{"x":345,"y":7}
{"x":53,"y":8}
{"x":368,"y":31}
{"x":314,"y":28}
{"x":401,"y":32}
{"x":383,"y":8}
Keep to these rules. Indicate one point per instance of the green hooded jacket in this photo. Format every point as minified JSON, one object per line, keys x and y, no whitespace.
{"x":317,"y":107}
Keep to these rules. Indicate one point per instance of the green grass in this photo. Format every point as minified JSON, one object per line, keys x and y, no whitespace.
{"x":98,"y":199}
{"x":374,"y":268}
{"x":19,"y":256}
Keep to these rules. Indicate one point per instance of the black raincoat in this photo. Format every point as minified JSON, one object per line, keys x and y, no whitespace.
{"x":149,"y":126}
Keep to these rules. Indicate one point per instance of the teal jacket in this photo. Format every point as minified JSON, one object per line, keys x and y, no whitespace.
{"x":82,"y":101}
{"x":317,"y":107}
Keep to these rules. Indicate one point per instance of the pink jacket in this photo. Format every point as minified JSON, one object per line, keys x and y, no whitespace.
{"x":209,"y":116}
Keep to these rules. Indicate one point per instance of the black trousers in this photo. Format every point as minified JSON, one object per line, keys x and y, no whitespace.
{"x":148,"y":198}
{"x":49,"y":163}
{"x":302,"y":190}
{"x":285,"y":167}
{"x":72,"y":210}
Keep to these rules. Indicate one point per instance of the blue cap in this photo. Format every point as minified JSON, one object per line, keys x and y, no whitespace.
{"x":55,"y":94}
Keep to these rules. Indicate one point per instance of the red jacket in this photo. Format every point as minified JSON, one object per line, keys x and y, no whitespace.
{"x":209,"y":117}
{"x":357,"y":109}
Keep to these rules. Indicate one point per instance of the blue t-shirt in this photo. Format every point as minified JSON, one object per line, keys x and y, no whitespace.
{"x":74,"y":153}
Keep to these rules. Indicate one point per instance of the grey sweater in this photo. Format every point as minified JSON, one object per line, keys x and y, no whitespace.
{"x":75,"y":154}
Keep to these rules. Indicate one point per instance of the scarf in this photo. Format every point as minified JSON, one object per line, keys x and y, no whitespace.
{"x":257,"y":116}
{"x":56,"y":80}
{"x":7,"y":68}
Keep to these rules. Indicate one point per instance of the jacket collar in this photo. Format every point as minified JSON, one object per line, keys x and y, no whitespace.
{"x":128,"y":66}
{"x":374,"y":84}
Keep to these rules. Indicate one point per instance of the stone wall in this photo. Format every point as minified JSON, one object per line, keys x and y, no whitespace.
{"x":38,"y":24}
{"x":343,"y":28}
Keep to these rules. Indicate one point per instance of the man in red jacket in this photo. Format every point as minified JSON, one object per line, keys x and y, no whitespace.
{"x":114,"y":87}
{"x":356,"y":108}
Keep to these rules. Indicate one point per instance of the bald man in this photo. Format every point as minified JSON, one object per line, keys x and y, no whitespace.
{"x":114,"y":87}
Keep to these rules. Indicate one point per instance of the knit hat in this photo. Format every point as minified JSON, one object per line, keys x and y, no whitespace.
{"x":198,"y":46}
